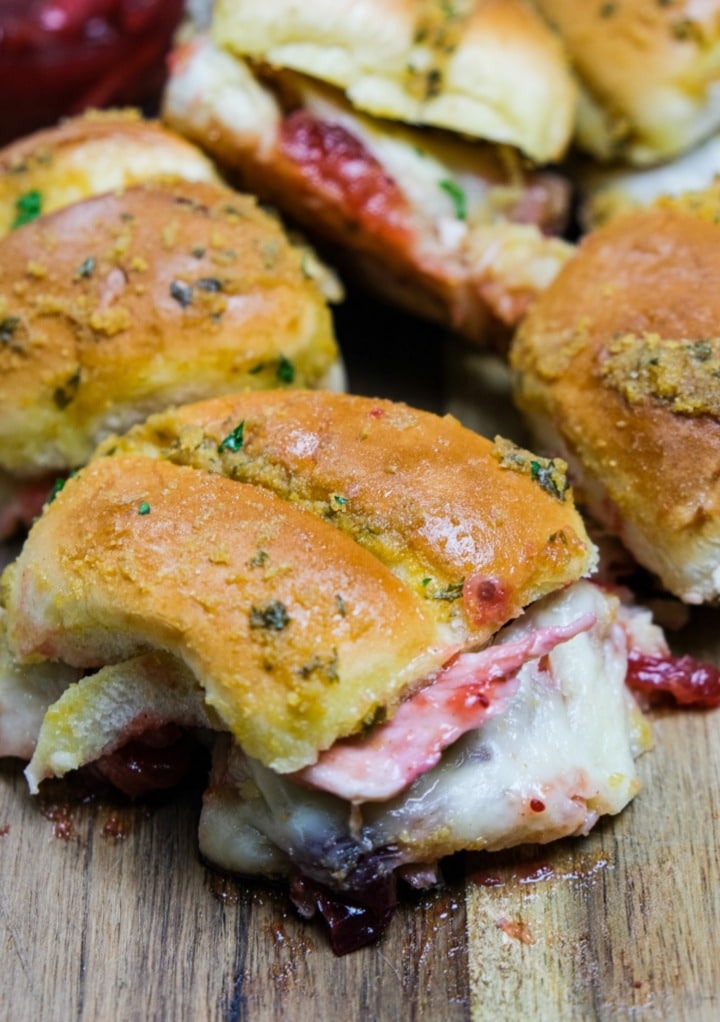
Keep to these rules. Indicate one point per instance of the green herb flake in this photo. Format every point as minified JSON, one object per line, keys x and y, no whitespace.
{"x":144,"y":508}
{"x":256,"y":369}
{"x":340,"y":604}
{"x":258,"y":559}
{"x":337,"y":502}
{"x":551,"y":480}
{"x":326,"y":667}
{"x":27,"y":208}
{"x":452,"y":592}
{"x":210,"y":284}
{"x":273,"y":617}
{"x":181,"y":292}
{"x":458,"y":197}
{"x":8,"y":326}
{"x":64,"y":395}
{"x":426,"y":582}
{"x":197,"y":251}
{"x":285,"y":371}
{"x":234,"y":440}
{"x":57,"y":487}
{"x":86,"y":268}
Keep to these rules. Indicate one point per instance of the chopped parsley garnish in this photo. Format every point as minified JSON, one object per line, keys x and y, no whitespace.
{"x":27,"y":208}
{"x":8,"y":326}
{"x":64,"y":395}
{"x":86,"y":268}
{"x":459,"y":199}
{"x":197,"y":251}
{"x":273,"y":616}
{"x":551,"y":481}
{"x":211,"y":284}
{"x":327,"y":668}
{"x":57,"y":487}
{"x":144,"y":508}
{"x":451,"y":592}
{"x":426,"y":582}
{"x":181,"y":292}
{"x":285,"y":371}
{"x":340,"y":604}
{"x":234,"y":440}
{"x":337,"y":502}
{"x":258,"y":559}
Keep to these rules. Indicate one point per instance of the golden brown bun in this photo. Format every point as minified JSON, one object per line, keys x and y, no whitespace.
{"x":650,"y":71}
{"x":305,"y":611}
{"x":617,"y":367}
{"x":459,"y":519}
{"x":84,"y":156}
{"x":122,"y":304}
{"x":486,"y":68}
{"x":297,"y":634}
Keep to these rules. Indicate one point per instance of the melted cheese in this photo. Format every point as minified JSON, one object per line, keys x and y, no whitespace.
{"x":559,"y":757}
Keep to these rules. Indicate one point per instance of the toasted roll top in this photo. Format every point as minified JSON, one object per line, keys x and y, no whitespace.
{"x":477,"y":530}
{"x":487,"y":68}
{"x":297,"y":634}
{"x":116,"y":306}
{"x":85,"y":156}
{"x":620,"y":360}
{"x":650,"y":73}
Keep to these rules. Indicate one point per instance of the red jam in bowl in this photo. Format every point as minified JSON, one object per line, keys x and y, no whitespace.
{"x":59,"y":57}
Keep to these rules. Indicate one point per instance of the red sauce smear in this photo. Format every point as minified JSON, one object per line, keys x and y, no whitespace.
{"x":690,"y":682}
{"x":337,"y":163}
{"x":154,"y":761}
{"x":59,"y":57}
{"x":487,"y":600}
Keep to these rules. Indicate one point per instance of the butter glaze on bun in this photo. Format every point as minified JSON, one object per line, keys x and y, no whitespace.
{"x":85,"y":156}
{"x":471,"y":526}
{"x":617,"y":369}
{"x":296,"y":559}
{"x":650,"y":72}
{"x":116,"y":306}
{"x":488,"y":69}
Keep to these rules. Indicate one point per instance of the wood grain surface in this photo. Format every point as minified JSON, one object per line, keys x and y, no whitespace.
{"x":107,"y":913}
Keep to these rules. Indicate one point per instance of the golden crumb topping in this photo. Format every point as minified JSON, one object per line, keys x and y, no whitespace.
{"x":683,"y":374}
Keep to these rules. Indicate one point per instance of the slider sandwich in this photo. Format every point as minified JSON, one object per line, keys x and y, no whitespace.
{"x":409,"y":137}
{"x":617,"y":370}
{"x":649,"y":97}
{"x":378,"y":619}
{"x":119,"y":297}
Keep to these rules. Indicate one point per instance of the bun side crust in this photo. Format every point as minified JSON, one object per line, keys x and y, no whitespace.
{"x":651,"y":71}
{"x":297,"y":634}
{"x":85,"y":156}
{"x":449,"y":512}
{"x":119,"y":305}
{"x":487,"y":68}
{"x":619,"y":359}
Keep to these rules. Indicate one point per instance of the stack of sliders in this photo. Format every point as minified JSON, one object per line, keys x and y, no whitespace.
{"x":407,"y":136}
{"x":377,"y":619}
{"x":132,"y":278}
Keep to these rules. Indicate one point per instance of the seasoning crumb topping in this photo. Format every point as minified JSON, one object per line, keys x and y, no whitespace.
{"x":683,"y":375}
{"x":549,"y":473}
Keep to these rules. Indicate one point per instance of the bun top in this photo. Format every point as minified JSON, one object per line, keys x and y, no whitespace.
{"x":296,"y":558}
{"x":650,"y":72}
{"x":124,"y":303}
{"x":85,"y":156}
{"x":489,"y":69}
{"x":477,"y":529}
{"x":621,"y":355}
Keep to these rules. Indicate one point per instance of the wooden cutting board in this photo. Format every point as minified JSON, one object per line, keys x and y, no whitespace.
{"x":106,"y":912}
